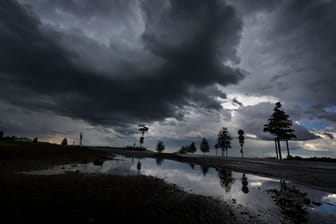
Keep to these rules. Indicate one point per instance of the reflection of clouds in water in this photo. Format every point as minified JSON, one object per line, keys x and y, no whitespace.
{"x":255,"y":195}
{"x":209,"y":184}
{"x":325,"y":212}
{"x":255,"y":184}
{"x":188,"y":179}
{"x":110,"y":167}
{"x":330,"y":198}
{"x":116,"y":168}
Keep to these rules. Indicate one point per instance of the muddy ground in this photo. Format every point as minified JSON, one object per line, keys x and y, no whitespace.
{"x":80,"y":198}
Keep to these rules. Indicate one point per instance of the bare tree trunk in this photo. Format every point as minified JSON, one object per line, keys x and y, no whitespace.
{"x":279,"y":147}
{"x":226,"y":152}
{"x":216,"y":152}
{"x":241,"y":150}
{"x":222,"y":152}
{"x":276,"y":148}
{"x":287,"y":148}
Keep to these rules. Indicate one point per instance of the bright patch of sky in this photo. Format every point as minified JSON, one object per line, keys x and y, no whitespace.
{"x":314,"y":124}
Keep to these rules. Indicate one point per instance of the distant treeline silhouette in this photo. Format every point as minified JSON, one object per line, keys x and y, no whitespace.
{"x":279,"y":125}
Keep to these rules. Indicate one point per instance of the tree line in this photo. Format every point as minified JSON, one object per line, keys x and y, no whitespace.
{"x":279,"y":125}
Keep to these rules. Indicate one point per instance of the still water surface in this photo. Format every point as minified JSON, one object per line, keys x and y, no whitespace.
{"x":239,"y":189}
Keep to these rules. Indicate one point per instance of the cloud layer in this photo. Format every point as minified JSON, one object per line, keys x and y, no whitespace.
{"x":179,"y":55}
{"x":186,"y":68}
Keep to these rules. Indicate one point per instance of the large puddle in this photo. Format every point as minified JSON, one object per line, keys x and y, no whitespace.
{"x":266,"y":197}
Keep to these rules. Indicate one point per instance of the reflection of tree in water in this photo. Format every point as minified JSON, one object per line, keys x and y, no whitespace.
{"x":139,"y":166}
{"x":192,"y":165}
{"x":283,"y":185}
{"x":159,"y":161}
{"x":225,"y":179}
{"x":205,"y":169}
{"x":244,"y":184}
{"x":292,"y":202}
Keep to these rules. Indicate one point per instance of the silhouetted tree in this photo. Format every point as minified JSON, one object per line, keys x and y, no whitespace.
{"x":241,"y":141}
{"x":204,"y":147}
{"x":64,"y":141}
{"x":224,"y":140}
{"x":192,"y":148}
{"x":288,"y":133}
{"x":183,"y":150}
{"x":216,"y":147}
{"x":1,"y":134}
{"x":35,"y":140}
{"x":225,"y":179}
{"x":160,"y":146}
{"x":279,"y":125}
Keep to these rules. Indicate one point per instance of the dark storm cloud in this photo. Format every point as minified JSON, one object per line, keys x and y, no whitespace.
{"x":194,"y":38}
{"x":88,"y":8}
{"x":249,"y":7}
{"x":38,"y":72}
{"x":320,"y":111}
{"x":289,"y":50}
{"x":303,"y":38}
{"x":253,"y":118}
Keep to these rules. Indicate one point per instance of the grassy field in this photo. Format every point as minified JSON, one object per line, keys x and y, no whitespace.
{"x":40,"y":155}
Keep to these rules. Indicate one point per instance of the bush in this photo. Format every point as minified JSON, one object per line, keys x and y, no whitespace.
{"x":64,"y":142}
{"x":160,"y":146}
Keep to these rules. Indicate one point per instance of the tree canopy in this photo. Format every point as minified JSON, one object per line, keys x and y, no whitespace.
{"x":280,"y":126}
{"x":224,"y":140}
{"x":64,"y":141}
{"x":192,"y":148}
{"x":204,"y":147}
{"x":160,"y":146}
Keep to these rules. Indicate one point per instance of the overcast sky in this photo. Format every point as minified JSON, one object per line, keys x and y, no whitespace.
{"x":185,"y":68}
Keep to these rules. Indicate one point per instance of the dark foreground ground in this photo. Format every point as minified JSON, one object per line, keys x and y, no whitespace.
{"x":79,"y":198}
